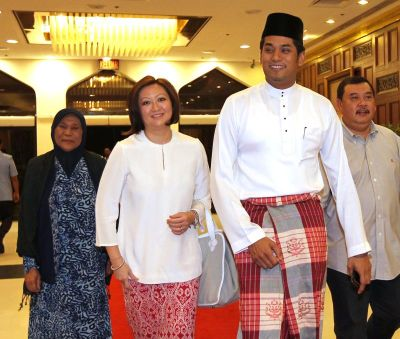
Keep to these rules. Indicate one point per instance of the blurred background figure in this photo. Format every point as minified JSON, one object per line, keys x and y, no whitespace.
{"x":106,"y":152}
{"x":9,"y":192}
{"x":64,"y":271}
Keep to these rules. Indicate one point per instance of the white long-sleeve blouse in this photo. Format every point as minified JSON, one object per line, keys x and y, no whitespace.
{"x":143,"y":184}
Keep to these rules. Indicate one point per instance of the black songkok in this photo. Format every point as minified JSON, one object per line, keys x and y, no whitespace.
{"x":284,"y":24}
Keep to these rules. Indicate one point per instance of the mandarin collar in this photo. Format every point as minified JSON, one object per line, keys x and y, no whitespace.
{"x":276,"y":92}
{"x":141,"y":136}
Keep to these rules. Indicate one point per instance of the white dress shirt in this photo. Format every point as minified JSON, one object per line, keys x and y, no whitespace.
{"x":266,"y":144}
{"x":144,"y":183}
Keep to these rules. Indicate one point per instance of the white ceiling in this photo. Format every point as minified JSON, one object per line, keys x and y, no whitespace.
{"x":232,"y":23}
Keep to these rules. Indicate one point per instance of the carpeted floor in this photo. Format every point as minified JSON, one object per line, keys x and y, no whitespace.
{"x":211,"y":323}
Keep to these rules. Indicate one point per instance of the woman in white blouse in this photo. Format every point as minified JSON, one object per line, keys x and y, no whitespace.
{"x":156,"y":182}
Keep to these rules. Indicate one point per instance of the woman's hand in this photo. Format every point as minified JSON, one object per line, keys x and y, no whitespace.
{"x":122,"y":272}
{"x":33,"y":281}
{"x":181,"y":221}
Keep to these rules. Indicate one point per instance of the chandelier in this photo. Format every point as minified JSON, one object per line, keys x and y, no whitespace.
{"x":113,"y":35}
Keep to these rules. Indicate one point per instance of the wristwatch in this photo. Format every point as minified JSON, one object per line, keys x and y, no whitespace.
{"x":196,"y":219}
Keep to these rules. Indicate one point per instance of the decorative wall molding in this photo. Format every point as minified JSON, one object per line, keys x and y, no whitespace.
{"x":387,"y":82}
{"x":362,"y":50}
{"x":324,"y":66}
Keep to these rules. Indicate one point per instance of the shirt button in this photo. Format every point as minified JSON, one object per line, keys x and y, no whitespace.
{"x":370,"y":162}
{"x":380,"y":234}
{"x":378,"y":197}
{"x":379,"y":216}
{"x":285,"y":130}
{"x":374,"y":179}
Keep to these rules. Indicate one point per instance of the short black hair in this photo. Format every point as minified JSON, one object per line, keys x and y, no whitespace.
{"x":353,"y":80}
{"x":299,"y":45}
{"x":135,"y":116}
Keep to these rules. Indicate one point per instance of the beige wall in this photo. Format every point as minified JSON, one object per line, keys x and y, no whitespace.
{"x":51,"y":79}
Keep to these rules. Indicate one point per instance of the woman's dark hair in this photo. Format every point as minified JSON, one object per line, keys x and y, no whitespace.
{"x":135,"y":116}
{"x":298,"y":44}
{"x":353,"y":80}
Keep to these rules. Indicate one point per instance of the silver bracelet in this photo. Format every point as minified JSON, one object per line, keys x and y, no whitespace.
{"x":117,"y":268}
{"x":196,"y":219}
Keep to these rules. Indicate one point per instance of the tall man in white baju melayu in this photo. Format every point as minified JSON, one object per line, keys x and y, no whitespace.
{"x":264,"y":182}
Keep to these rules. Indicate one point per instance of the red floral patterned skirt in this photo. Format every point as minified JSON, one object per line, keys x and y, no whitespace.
{"x":162,"y":310}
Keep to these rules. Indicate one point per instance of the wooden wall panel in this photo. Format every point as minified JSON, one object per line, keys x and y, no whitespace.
{"x":369,"y":74}
{"x":381,"y":114}
{"x":380,"y":50}
{"x":337,"y":65}
{"x":313,"y":77}
{"x":346,"y":59}
{"x":306,"y":77}
{"x":393,"y":45}
{"x":321,"y":89}
{"x":394,"y":108}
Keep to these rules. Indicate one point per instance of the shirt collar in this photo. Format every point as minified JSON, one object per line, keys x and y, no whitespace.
{"x":141,"y":136}
{"x":350,"y":135}
{"x":276,"y":92}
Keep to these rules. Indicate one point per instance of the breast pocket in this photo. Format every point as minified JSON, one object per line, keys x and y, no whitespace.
{"x":311,"y":141}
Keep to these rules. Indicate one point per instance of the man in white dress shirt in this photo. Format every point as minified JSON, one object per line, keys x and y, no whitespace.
{"x":264,"y":182}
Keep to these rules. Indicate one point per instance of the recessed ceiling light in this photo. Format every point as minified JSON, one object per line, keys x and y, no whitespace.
{"x":330,"y":21}
{"x":210,"y":51}
{"x":362,"y":2}
{"x":244,"y":46}
{"x":11,"y":41}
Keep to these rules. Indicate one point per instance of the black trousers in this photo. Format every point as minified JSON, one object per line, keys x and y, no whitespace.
{"x":6,"y":213}
{"x":350,"y":310}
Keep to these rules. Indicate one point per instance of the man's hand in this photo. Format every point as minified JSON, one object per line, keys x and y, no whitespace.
{"x":16,"y":197}
{"x":362,"y":265}
{"x":265,"y":253}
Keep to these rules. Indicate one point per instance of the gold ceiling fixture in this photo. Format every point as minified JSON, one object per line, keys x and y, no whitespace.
{"x":111,"y":35}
